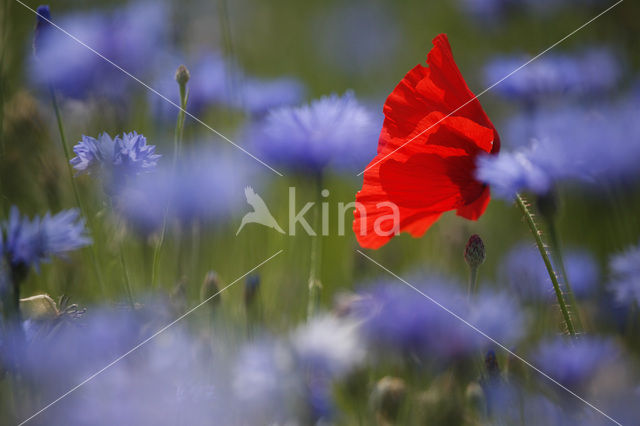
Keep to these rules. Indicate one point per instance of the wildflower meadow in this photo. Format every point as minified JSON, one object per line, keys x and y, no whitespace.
{"x":345,"y":212}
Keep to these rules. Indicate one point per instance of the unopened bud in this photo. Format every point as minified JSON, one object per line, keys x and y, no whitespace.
{"x":474,"y":252}
{"x":388,"y":398}
{"x":210,"y":287}
{"x":251,"y":289}
{"x":43,"y":25}
{"x":491,"y":364}
{"x":182,"y":75}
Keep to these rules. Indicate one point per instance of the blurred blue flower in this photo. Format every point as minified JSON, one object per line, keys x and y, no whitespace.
{"x":259,"y":96}
{"x":574,"y":363}
{"x":114,"y":159}
{"x":29,"y":242}
{"x":130,"y":37}
{"x":572,"y":144}
{"x":625,"y":276}
{"x":398,"y":320}
{"x":333,"y":131}
{"x":356,"y":37}
{"x":487,"y":12}
{"x":205,"y":185}
{"x":592,"y":71}
{"x":525,"y":272}
{"x":510,"y":403}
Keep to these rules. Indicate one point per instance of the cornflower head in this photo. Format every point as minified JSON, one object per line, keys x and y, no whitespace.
{"x":29,"y":242}
{"x":333,"y":131}
{"x":114,"y":159}
{"x":129,"y":36}
{"x":592,"y":71}
{"x":525,"y":272}
{"x":204,"y":186}
{"x":399,"y":321}
{"x":567,"y":145}
{"x":625,"y":276}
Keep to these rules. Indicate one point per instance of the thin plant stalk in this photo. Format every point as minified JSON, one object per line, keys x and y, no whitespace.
{"x":127,"y":280}
{"x":557,"y":252}
{"x":537,"y":235}
{"x":177,"y":142}
{"x":76,"y":193}
{"x":315,"y":285}
{"x":473,"y":281}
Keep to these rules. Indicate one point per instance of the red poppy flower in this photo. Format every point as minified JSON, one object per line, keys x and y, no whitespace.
{"x":434,"y":129}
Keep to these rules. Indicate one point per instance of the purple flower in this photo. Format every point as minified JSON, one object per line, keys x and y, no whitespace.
{"x":115,"y":159}
{"x":574,"y":363}
{"x":525,"y":272}
{"x":570,"y":144}
{"x":29,"y":242}
{"x":130,"y":37}
{"x":625,"y":276}
{"x":397,"y":320}
{"x":333,"y":131}
{"x":259,"y":96}
{"x":593,"y":71}
{"x":356,"y":37}
{"x":204,"y":186}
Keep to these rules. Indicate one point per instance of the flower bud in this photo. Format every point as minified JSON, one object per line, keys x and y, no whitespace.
{"x":388,"y":398}
{"x":210,"y":286}
{"x":43,"y":26}
{"x":474,"y":252}
{"x":182,"y":75}
{"x":251,"y":289}
{"x":491,"y":364}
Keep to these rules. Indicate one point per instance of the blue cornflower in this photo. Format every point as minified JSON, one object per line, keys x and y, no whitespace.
{"x":574,"y":144}
{"x":356,"y":37}
{"x":203,"y":186}
{"x":129,"y":36}
{"x":525,"y":272}
{"x":574,"y":363}
{"x":259,"y":96}
{"x":29,"y":242}
{"x":334,"y":131}
{"x":625,"y":276}
{"x":398,"y":320}
{"x":593,"y":71}
{"x":114,"y":158}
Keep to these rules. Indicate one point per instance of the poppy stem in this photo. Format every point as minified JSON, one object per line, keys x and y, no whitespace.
{"x":76,"y":193}
{"x":315,"y":285}
{"x":182,"y":77}
{"x":537,"y":235}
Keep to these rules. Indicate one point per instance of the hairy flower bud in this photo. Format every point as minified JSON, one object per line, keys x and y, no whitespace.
{"x":474,"y":252}
{"x":210,"y":287}
{"x":387,"y":399}
{"x":43,"y":26}
{"x":182,"y":75}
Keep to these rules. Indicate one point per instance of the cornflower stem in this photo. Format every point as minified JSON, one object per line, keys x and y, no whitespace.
{"x":76,"y":193}
{"x":177,"y":142}
{"x":125,"y":273}
{"x":557,"y":252}
{"x":537,"y":235}
{"x":473,"y":281}
{"x":315,"y":285}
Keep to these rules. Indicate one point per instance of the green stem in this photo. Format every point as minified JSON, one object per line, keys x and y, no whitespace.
{"x":537,"y":235}
{"x":315,"y":285}
{"x":557,"y":252}
{"x":76,"y":193}
{"x":473,"y":280}
{"x":177,"y":142}
{"x":125,"y":273}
